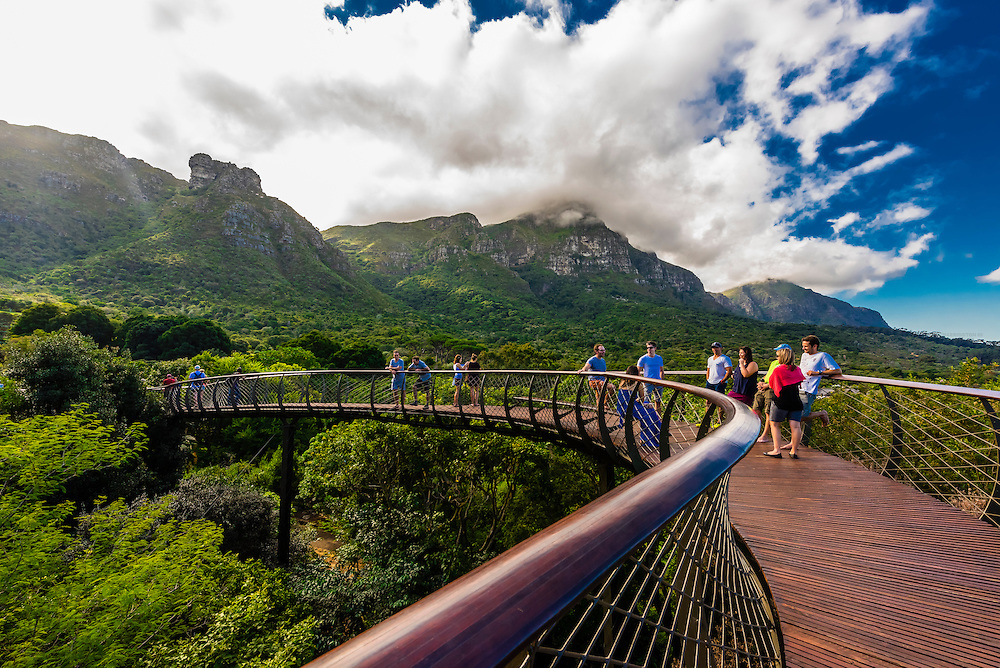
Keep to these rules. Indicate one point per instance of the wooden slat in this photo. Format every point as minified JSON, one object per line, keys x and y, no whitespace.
{"x":866,"y":571}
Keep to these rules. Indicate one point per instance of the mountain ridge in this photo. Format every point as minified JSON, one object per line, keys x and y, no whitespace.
{"x":79,"y":218}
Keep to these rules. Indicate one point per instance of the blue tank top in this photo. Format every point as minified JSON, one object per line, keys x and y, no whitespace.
{"x":745,"y":386}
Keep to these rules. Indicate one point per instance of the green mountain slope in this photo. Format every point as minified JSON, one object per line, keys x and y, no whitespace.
{"x":80,"y":220}
{"x":562,"y":263}
{"x":780,"y":301}
{"x":67,"y":197}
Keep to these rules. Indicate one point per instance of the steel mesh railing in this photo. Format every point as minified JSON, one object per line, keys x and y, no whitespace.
{"x":687,"y":596}
{"x":649,"y":574}
{"x":942,"y":440}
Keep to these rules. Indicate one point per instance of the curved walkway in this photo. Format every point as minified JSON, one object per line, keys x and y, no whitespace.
{"x":867,"y":571}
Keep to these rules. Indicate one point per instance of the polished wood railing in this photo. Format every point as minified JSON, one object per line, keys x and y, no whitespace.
{"x":651,"y":573}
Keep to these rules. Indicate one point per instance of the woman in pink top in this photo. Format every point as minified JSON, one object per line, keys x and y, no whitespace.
{"x":784,"y":382}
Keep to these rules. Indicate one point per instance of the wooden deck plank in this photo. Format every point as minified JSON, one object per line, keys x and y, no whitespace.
{"x":867,"y":571}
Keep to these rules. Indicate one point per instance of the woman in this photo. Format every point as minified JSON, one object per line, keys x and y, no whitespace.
{"x":472,"y":379}
{"x":784,"y":382}
{"x":398,"y":386}
{"x":745,"y":378}
{"x":456,"y":382}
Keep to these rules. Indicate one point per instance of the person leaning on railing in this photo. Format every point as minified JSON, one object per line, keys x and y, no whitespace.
{"x":815,"y":367}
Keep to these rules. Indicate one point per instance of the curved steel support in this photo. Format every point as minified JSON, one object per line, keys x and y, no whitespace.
{"x":665,"y":429}
{"x":895,"y":454}
{"x":992,"y":511}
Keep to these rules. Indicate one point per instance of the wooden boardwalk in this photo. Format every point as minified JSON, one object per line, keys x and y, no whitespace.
{"x":867,"y":571}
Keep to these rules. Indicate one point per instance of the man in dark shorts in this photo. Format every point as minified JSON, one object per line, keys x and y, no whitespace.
{"x":423,"y":383}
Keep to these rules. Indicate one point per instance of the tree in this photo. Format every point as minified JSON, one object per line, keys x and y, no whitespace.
{"x":140,"y":334}
{"x":65,"y":367}
{"x":39,"y":316}
{"x":89,"y":321}
{"x":319,"y":344}
{"x":519,"y":356}
{"x":192,"y":337}
{"x":133,"y":586}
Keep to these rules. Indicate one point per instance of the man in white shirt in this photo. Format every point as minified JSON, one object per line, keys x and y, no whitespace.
{"x":720,"y":368}
{"x":815,"y":366}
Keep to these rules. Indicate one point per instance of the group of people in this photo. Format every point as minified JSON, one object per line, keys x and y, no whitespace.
{"x":195,"y":388}
{"x":465,"y":373}
{"x":786,"y":393}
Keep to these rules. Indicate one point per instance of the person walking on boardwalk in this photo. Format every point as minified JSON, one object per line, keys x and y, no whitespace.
{"x":745,"y":378}
{"x":197,"y":386}
{"x":423,"y":383}
{"x":815,"y":367}
{"x":170,"y":383}
{"x":234,"y":387}
{"x":473,"y":379}
{"x":398,"y":386}
{"x":651,"y":366}
{"x":720,"y":368}
{"x":597,"y":363}
{"x":785,"y":381}
{"x":456,"y":381}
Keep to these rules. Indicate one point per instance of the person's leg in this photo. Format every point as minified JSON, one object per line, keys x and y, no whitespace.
{"x":795,"y":426}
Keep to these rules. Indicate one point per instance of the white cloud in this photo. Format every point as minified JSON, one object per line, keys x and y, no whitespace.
{"x":992,"y":277}
{"x":420,"y":112}
{"x":860,"y":148}
{"x":845,"y":221}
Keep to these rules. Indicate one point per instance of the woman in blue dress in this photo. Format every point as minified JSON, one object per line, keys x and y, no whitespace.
{"x":396,"y":365}
{"x":456,"y":382}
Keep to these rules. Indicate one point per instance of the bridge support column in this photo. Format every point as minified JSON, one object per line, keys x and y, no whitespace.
{"x":286,"y":490}
{"x":605,"y":475}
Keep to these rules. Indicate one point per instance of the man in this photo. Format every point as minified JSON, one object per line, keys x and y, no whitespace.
{"x":196,"y":375}
{"x":423,"y":383}
{"x":597,"y":363}
{"x":651,"y":366}
{"x":815,"y":367}
{"x":720,"y":368}
{"x":765,"y":395}
{"x":234,"y":387}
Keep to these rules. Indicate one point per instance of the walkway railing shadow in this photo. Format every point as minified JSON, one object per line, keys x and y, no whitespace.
{"x":943,"y":440}
{"x":650,"y":573}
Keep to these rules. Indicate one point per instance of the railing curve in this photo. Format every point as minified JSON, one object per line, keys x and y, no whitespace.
{"x":651,"y":573}
{"x":648,"y":574}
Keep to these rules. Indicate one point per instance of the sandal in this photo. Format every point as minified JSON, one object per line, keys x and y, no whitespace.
{"x":776,"y":455}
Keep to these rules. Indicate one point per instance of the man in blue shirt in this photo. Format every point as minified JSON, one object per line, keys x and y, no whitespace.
{"x":423,"y":383}
{"x":196,"y":375}
{"x":651,"y":366}
{"x":597,"y":363}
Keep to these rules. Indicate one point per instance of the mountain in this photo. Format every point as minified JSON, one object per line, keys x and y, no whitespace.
{"x":66,"y":197}
{"x":562,"y":262}
{"x":780,"y":301}
{"x":81,"y":220}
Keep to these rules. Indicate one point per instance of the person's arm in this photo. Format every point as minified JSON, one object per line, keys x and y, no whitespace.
{"x":586,"y":367}
{"x":729,"y":372}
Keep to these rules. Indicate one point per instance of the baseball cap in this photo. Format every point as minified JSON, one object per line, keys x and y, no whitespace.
{"x":197,"y":366}
{"x":784,"y":346}
{"x":716,"y":345}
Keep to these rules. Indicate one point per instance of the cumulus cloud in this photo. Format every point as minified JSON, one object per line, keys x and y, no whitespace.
{"x":423,"y":111}
{"x":992,"y":277}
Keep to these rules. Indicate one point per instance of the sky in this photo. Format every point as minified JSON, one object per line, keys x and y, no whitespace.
{"x":847,"y":146}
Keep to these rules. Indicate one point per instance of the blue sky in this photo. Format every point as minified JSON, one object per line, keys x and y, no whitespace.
{"x":846,"y":146}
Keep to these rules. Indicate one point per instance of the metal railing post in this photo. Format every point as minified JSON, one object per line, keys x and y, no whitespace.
{"x":895,"y":453}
